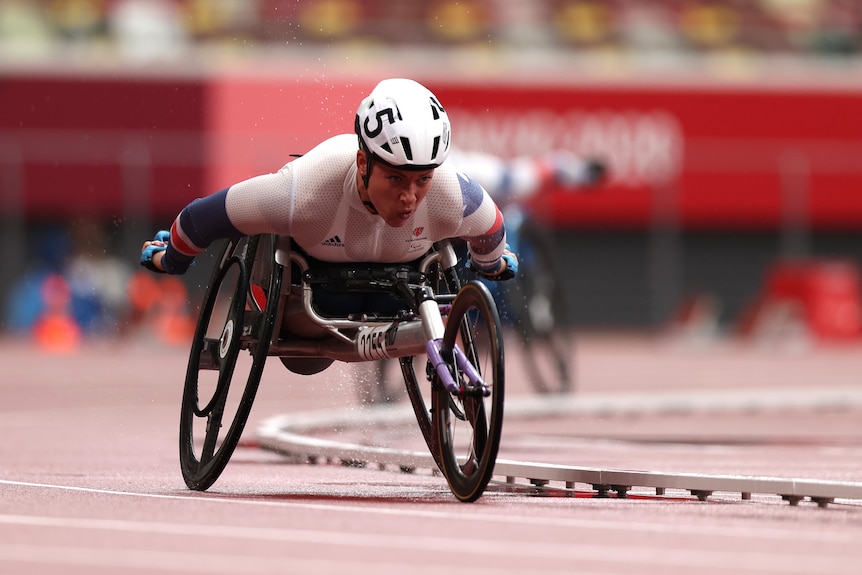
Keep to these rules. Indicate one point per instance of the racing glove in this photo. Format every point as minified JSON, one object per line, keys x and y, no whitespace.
{"x":160,"y":244}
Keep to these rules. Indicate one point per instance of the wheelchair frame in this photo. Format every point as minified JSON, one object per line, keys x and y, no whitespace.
{"x":459,"y":331}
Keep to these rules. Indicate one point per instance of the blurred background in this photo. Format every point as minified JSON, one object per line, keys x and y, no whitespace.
{"x":731,"y":130}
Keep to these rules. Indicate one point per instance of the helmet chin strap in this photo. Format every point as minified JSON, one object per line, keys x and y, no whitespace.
{"x":365,"y":177}
{"x":370,"y":206}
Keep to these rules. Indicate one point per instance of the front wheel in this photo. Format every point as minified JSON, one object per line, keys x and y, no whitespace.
{"x":231,"y":321}
{"x":468,"y":428}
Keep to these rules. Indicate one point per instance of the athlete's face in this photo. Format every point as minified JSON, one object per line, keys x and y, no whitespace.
{"x":396,"y":194}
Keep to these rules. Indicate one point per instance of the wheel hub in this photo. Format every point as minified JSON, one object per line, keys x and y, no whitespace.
{"x":226,"y":338}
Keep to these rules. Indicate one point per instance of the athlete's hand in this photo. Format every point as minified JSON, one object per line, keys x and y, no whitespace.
{"x":159,"y":244}
{"x":507,"y":269}
{"x":596,"y":172}
{"x":573,"y":172}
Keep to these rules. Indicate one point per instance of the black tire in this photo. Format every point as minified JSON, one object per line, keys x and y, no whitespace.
{"x":540,"y":304}
{"x":468,"y":429}
{"x":231,"y":320}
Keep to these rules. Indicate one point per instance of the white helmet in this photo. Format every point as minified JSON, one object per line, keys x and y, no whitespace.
{"x":403,"y":124}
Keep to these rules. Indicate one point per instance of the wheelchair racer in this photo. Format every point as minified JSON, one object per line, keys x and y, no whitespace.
{"x":380,"y":195}
{"x":513,"y":181}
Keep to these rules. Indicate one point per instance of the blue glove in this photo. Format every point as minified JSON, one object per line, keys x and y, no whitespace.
{"x":511,"y":264}
{"x":160,"y":244}
{"x":511,"y":267}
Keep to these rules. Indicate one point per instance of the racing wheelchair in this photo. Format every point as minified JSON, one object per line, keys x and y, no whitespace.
{"x":535,"y":306}
{"x":257,"y":279}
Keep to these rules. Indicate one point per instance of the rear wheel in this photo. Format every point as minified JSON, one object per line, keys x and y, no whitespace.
{"x":221,"y":380}
{"x":468,"y":428}
{"x":547,"y":342}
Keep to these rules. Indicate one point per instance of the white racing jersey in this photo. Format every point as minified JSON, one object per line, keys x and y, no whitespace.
{"x":314,"y":199}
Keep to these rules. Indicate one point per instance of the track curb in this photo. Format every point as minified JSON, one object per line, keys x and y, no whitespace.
{"x":290,"y":434}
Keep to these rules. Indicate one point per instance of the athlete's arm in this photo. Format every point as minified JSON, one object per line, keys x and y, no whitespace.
{"x":485,"y":231}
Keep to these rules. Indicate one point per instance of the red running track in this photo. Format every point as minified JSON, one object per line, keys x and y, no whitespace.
{"x":90,"y":481}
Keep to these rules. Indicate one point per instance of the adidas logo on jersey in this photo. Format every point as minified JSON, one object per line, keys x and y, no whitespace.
{"x":333,"y":242}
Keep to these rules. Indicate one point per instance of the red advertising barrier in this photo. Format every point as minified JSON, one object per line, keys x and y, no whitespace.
{"x":101,"y":147}
{"x":717,"y":157}
{"x":255,"y":124}
{"x":698,"y":156}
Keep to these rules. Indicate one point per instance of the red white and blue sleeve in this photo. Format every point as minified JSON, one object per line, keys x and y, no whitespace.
{"x":198,"y":225}
{"x":484,"y":228}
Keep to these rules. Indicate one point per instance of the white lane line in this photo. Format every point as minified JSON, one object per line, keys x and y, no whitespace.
{"x":477,"y":514}
{"x":471,"y":543}
{"x":92,"y":490}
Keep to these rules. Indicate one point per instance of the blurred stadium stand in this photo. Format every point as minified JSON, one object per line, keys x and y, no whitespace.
{"x":104,"y":101}
{"x":801,"y":27}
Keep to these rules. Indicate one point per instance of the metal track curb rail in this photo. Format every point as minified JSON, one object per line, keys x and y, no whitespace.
{"x":290,"y":435}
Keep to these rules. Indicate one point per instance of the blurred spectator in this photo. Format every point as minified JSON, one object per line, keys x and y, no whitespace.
{"x":70,"y":272}
{"x":26,"y":303}
{"x":585,"y":24}
{"x":711,"y":25}
{"x":97,"y":282}
{"x":55,"y":330}
{"x":649,"y":27}
{"x":208,"y":19}
{"x":24,"y":30}
{"x":74,"y":291}
{"x":838,"y":30}
{"x":77,"y":20}
{"x":458,"y":21}
{"x":520,"y":24}
{"x":148,"y":31}
{"x":331,"y":19}
{"x":159,"y":309}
